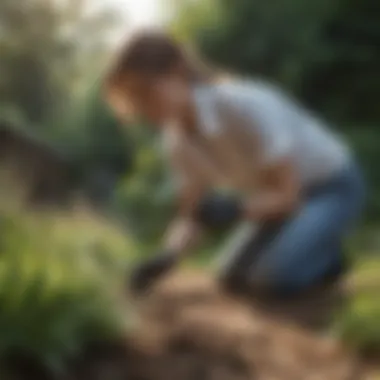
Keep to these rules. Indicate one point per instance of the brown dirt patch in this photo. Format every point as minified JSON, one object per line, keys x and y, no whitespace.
{"x":189,"y":330}
{"x":200,"y":333}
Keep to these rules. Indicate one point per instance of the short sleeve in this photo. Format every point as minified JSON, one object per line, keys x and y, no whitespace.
{"x":267,"y":112}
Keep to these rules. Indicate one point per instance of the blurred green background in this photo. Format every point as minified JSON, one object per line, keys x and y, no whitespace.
{"x":57,"y":269}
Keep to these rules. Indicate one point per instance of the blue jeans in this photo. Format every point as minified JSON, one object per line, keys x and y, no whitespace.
{"x":291,"y":255}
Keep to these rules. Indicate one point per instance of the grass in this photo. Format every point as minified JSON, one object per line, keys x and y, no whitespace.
{"x":59,"y":280}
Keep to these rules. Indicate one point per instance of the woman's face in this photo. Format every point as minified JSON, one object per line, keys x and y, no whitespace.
{"x":161,"y":99}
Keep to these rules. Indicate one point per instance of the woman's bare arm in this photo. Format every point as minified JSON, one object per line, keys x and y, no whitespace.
{"x":184,"y":232}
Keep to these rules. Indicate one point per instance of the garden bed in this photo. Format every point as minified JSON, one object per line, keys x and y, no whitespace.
{"x":187,"y":329}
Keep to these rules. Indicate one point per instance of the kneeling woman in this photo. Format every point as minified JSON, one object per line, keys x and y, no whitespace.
{"x":299,"y":188}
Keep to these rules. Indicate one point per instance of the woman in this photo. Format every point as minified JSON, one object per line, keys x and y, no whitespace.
{"x":299,"y":187}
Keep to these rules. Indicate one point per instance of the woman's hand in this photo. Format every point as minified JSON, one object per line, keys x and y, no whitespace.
{"x":218,"y":211}
{"x":268,"y":206}
{"x":182,"y":235}
{"x":279,"y":194}
{"x":147,"y":273}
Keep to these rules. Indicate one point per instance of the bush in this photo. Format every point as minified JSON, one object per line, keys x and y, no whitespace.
{"x":59,"y":276}
{"x":359,"y":324}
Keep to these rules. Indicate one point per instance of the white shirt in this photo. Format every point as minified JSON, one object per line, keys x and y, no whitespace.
{"x":282,"y":128}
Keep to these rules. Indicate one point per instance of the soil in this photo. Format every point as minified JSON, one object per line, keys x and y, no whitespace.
{"x":188,"y":329}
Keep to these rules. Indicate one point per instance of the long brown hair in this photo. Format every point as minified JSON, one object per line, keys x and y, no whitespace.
{"x":150,"y":54}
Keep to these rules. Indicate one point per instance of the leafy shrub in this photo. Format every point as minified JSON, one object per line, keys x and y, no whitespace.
{"x":359,"y":324}
{"x":59,"y":276}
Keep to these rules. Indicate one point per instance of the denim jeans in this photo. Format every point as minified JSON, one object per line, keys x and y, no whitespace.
{"x":291,"y":255}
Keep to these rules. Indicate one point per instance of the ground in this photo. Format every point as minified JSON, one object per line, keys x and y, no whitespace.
{"x":204,"y":334}
{"x":188,"y":329}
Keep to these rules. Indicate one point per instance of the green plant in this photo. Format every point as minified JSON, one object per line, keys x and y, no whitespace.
{"x":59,"y":276}
{"x":359,"y":323}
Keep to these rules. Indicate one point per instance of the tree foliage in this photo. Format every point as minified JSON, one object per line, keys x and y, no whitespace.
{"x":48,"y":50}
{"x":324,"y":51}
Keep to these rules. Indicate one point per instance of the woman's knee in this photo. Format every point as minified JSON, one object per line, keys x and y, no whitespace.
{"x":237,"y":284}
{"x":232,"y":280}
{"x":241,"y":282}
{"x":289,"y":283}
